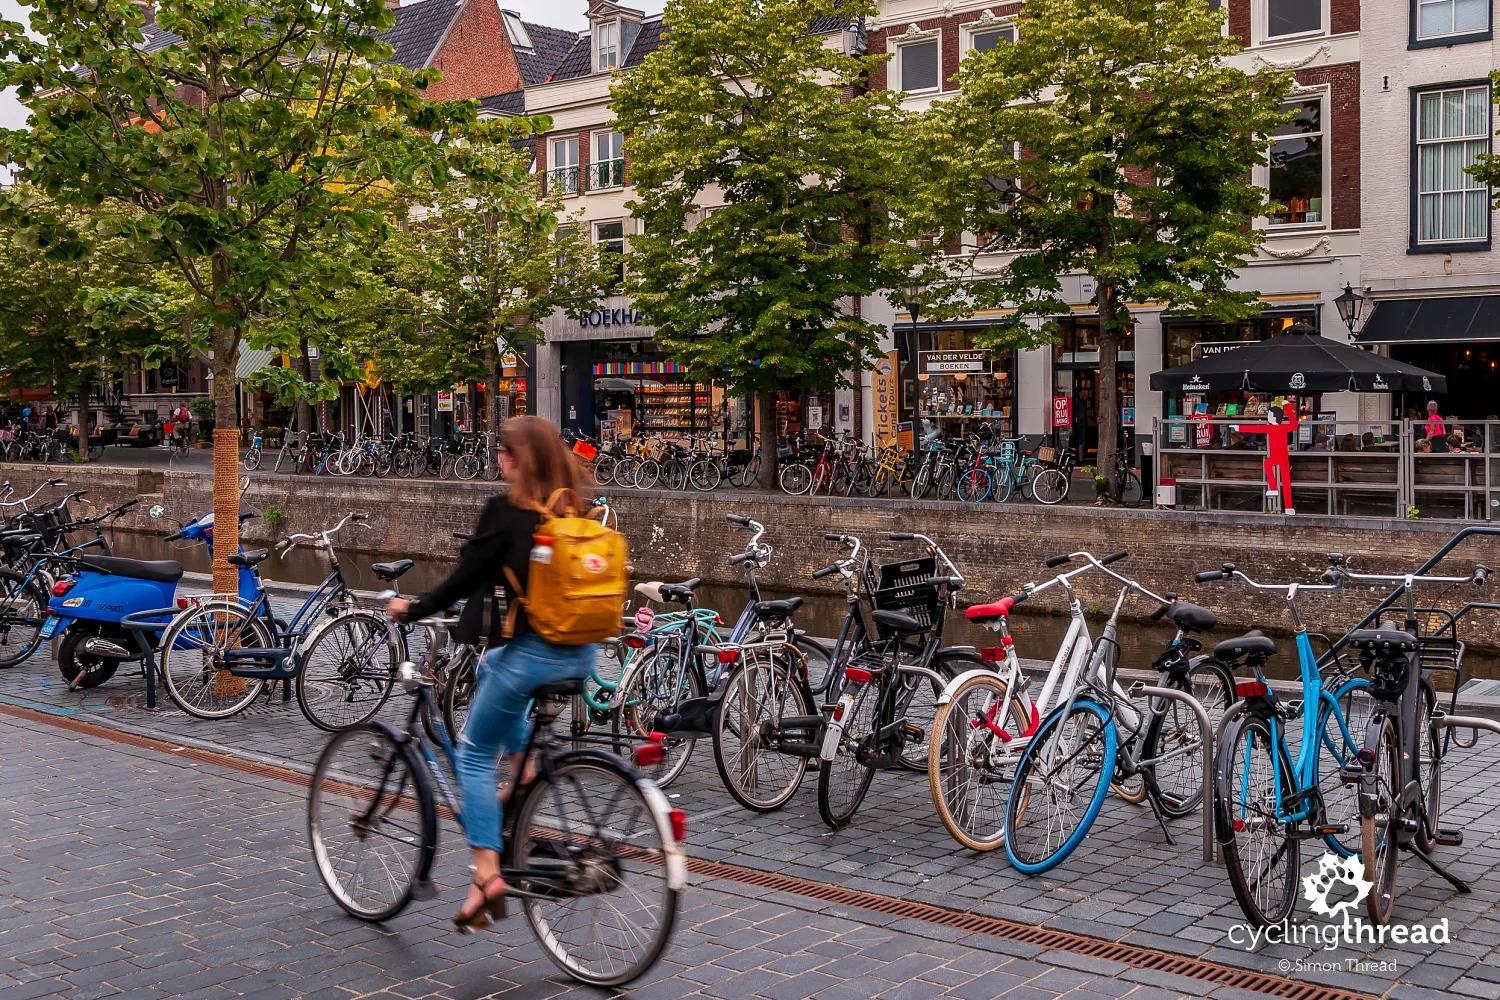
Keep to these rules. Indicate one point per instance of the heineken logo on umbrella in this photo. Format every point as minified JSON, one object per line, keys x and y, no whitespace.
{"x":1379,"y":383}
{"x":1297,"y":381}
{"x":1426,"y":383}
{"x":1195,"y":383}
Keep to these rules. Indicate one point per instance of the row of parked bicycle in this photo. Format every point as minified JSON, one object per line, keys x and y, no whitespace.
{"x":460,"y":456}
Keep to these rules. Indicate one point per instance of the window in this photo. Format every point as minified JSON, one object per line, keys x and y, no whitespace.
{"x":919,"y":66}
{"x":984,"y":39}
{"x":563,"y":172}
{"x":1452,"y":129}
{"x":609,"y":45}
{"x":1442,"y":18}
{"x":1297,"y":167}
{"x":1293,"y":17}
{"x":609,"y":237}
{"x":608,"y":168}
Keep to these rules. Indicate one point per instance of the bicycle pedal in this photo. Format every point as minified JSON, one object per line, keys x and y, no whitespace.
{"x":423,"y":890}
{"x":1331,"y":829}
{"x":1350,"y":774}
{"x":1450,"y":838}
{"x":914,"y":734}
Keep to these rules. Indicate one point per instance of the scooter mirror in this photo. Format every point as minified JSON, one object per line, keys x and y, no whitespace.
{"x":244,"y":485}
{"x":155,"y":510}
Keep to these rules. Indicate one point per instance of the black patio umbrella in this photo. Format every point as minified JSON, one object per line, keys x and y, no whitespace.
{"x":1298,"y":361}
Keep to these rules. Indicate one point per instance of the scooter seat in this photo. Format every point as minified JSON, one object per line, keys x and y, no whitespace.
{"x":250,"y":557}
{"x":160,"y":570}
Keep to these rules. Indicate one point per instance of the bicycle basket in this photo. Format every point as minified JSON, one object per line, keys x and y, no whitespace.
{"x":1046,"y":453}
{"x":906,"y":587}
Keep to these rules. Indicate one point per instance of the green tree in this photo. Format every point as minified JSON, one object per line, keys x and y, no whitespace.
{"x":1135,"y":139}
{"x":226,"y":151}
{"x":744,"y":112}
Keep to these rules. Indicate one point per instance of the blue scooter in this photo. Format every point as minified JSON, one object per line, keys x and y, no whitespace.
{"x":86,"y":608}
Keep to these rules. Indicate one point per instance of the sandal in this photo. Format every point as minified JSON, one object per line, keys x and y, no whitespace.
{"x":491,"y":908}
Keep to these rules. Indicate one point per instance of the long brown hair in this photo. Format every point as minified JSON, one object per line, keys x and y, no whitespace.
{"x":543,"y":463}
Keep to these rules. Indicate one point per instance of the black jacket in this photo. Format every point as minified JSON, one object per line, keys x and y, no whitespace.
{"x":503,"y":537}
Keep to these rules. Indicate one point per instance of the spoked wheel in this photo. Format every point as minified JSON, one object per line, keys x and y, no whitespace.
{"x":647,"y":474}
{"x":458,"y":691}
{"x":920,"y":712}
{"x":1343,"y":735}
{"x":251,"y":460}
{"x":1050,"y":486}
{"x":974,"y":485}
{"x":674,"y":475}
{"x":1379,"y":843}
{"x":795,"y":479}
{"x":1061,"y":782}
{"x":595,"y":827}
{"x":23,"y":606}
{"x":604,"y":470}
{"x":969,"y":767}
{"x":372,"y":822}
{"x":757,"y":773}
{"x":1131,"y":490}
{"x":1173,"y":748}
{"x":1429,"y":767}
{"x":655,"y":689}
{"x":1260,"y":854}
{"x":192,"y":659}
{"x":348,"y":670}
{"x":843,"y":781}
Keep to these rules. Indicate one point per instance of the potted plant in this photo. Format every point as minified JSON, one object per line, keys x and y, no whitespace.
{"x":202,"y":409}
{"x":270,"y":437}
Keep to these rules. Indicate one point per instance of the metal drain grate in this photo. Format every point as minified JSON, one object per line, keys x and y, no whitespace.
{"x":970,"y":923}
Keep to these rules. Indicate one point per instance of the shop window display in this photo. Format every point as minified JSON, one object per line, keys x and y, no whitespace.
{"x":956,"y":388}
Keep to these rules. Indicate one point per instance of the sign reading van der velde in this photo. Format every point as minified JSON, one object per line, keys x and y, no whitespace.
{"x":975,"y":362}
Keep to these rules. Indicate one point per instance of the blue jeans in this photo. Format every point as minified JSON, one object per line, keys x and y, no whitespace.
{"x":497,"y":722}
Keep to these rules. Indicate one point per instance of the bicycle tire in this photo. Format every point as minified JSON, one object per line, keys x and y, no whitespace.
{"x":382,"y":464}
{"x":251,"y":461}
{"x":1171,"y":732}
{"x":1055,"y":490}
{"x":23,"y":609}
{"x":675,"y":476}
{"x":750,"y":475}
{"x":647,"y":474}
{"x":705,"y":475}
{"x":755,"y":701}
{"x":822,"y":479}
{"x":974,"y":486}
{"x":466,"y":467}
{"x":1337,"y":748}
{"x":354,"y":768}
{"x":640,"y":923}
{"x":366,"y":464}
{"x":625,"y":472}
{"x":880,"y":483}
{"x":639,"y":714}
{"x":351,"y":668}
{"x":969,"y":786}
{"x":1429,"y":767}
{"x":795,"y":479}
{"x":604,"y":470}
{"x":1266,"y":897}
{"x":1379,"y":845}
{"x":844,"y":781}
{"x":193,"y":642}
{"x":1094,"y":747}
{"x":1132,"y":492}
{"x":458,"y":692}
{"x":492,"y":472}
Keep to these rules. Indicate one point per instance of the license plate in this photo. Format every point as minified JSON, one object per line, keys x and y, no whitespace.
{"x":49,"y":627}
{"x":835,"y":729}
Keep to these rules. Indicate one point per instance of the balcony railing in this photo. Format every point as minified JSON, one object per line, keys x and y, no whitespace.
{"x":606,"y":174}
{"x":562,"y":180}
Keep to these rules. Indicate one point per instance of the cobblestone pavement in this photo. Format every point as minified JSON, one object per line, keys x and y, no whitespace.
{"x":1126,"y":884}
{"x":131,"y":875}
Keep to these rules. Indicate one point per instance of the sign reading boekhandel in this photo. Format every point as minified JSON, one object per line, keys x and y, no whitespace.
{"x":975,"y":362}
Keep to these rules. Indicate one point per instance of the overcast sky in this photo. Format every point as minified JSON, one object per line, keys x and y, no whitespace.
{"x":562,"y":13}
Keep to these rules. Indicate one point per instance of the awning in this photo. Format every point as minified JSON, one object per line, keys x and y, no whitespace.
{"x":251,"y":360}
{"x":1433,"y":321}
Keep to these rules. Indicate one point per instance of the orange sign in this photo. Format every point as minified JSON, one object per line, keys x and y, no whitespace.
{"x":884,"y":386}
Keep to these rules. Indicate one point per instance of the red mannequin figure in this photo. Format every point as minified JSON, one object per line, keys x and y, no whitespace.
{"x":1278,"y":430}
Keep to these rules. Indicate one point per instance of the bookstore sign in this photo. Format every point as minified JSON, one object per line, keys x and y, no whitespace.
{"x":975,"y":362}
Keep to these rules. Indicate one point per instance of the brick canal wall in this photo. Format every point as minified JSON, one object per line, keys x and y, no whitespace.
{"x":998,"y":548}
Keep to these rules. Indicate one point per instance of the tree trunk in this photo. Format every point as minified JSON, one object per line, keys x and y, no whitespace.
{"x":226,"y":460}
{"x":302,"y":365}
{"x":492,"y":387}
{"x":766,"y":417}
{"x":81,"y":417}
{"x":1107,"y":392}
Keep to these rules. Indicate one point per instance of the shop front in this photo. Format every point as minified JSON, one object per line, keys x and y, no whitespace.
{"x":1458,"y":337}
{"x":1075,"y":385}
{"x":951,"y":387}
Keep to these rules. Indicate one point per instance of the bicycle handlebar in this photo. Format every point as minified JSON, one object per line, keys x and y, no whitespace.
{"x":1230,"y":572}
{"x":818,"y":574}
{"x":1093,"y":563}
{"x":936,"y":550}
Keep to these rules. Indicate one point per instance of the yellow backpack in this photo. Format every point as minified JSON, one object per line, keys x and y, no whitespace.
{"x":578,"y":578}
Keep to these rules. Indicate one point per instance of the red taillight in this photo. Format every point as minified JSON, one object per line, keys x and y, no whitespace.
{"x":858,"y":675}
{"x":62,"y":586}
{"x":656,"y":737}
{"x":1239,"y":826}
{"x":182,"y":603}
{"x":1252,"y":689}
{"x":679,"y":825}
{"x":992,"y":654}
{"x":634,"y":641}
{"x":649,"y":754}
{"x":717,"y":619}
{"x":1366,"y":758}
{"x":729,"y":656}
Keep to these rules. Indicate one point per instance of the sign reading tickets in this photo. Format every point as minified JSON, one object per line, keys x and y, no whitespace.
{"x":884,"y":386}
{"x":975,"y":362}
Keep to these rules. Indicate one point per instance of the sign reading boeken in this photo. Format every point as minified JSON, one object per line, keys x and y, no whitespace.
{"x":976,"y":362}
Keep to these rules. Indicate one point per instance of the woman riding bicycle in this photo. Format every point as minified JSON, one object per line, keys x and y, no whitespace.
{"x":536,"y":464}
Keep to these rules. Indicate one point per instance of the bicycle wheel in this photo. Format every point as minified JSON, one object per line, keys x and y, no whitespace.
{"x":491,"y":472}
{"x":880,"y":482}
{"x":626,"y":471}
{"x":382,"y":463}
{"x":656,"y":688}
{"x":1343,"y":735}
{"x":1380,"y":849}
{"x":372,"y":822}
{"x":822,"y":479}
{"x":843,"y":781}
{"x":404,"y":464}
{"x":1173,"y":748}
{"x":757,"y":772}
{"x":969,"y":765}
{"x":795,"y":479}
{"x":705,"y":475}
{"x":457,"y":693}
{"x":606,"y":836}
{"x":974,"y":486}
{"x":675,"y":475}
{"x":750,"y":474}
{"x":192,"y":659}
{"x":1429,"y":766}
{"x":251,"y":460}
{"x":466,"y":467}
{"x":23,"y":608}
{"x":1050,"y":486}
{"x":604,"y":470}
{"x":1061,"y":782}
{"x":1004,"y":484}
{"x":647,"y":474}
{"x":919,"y":701}
{"x":348,"y":670}
{"x":922,"y":481}
{"x":1131,"y":490}
{"x":1260,"y":854}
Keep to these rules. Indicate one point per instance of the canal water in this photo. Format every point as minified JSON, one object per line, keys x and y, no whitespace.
{"x":1037,"y":631}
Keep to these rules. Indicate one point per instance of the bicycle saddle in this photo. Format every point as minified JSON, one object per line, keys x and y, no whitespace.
{"x":1383,"y":639}
{"x":897,"y":622}
{"x":249,"y":557}
{"x":558,"y":689}
{"x":681,"y":593}
{"x":987,"y":612}
{"x":777,"y":609}
{"x":162,"y":571}
{"x":392,"y":570}
{"x":1190,"y":617}
{"x":1249,"y":644}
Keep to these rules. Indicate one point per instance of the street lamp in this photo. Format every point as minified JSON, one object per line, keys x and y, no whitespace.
{"x":1349,"y":303}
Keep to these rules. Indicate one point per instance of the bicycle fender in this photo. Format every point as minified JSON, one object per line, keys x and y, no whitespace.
{"x":676,"y":858}
{"x":952,"y":686}
{"x":1223,"y":795}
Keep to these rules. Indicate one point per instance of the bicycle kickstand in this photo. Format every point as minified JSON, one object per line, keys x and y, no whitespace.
{"x":1153,"y":796}
{"x":1427,"y":859}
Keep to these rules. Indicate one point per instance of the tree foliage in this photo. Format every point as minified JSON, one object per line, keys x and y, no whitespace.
{"x":1136,"y":139}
